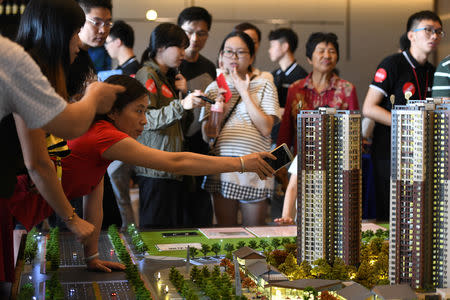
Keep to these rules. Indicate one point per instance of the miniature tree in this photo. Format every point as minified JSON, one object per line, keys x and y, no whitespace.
{"x":290,"y":248}
{"x":228,"y":247}
{"x":205,"y":272}
{"x":194,"y":274}
{"x":277,"y":257}
{"x":26,"y":292}
{"x":321,"y":270}
{"x":290,"y":267}
{"x":240,"y":244}
{"x":205,"y":249}
{"x":216,"y":248}
{"x":305,"y":270}
{"x":193,"y":252}
{"x":275,"y":243}
{"x":263,"y":244}
{"x":310,"y":293}
{"x":340,"y":270}
{"x":325,"y":295}
{"x":253,"y":244}
{"x":215,"y":272}
{"x":285,"y":241}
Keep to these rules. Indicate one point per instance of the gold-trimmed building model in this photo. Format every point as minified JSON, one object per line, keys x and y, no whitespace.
{"x":329,"y":185}
{"x":419,"y":222}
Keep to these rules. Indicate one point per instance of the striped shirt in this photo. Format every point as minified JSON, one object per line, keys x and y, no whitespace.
{"x":441,"y":84}
{"x":238,"y":137}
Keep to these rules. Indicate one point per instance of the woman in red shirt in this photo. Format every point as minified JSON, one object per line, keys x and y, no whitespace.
{"x":113,"y":137}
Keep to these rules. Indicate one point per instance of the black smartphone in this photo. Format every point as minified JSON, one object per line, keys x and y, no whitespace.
{"x":283,"y":155}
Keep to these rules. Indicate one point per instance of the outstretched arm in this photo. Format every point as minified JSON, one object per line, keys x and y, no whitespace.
{"x":290,"y":197}
{"x":42,"y":171}
{"x":93,"y":212}
{"x":132,"y":152}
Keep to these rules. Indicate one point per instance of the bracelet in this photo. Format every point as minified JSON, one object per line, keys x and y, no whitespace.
{"x":88,"y":259}
{"x":242,"y":165}
{"x":70,"y":218}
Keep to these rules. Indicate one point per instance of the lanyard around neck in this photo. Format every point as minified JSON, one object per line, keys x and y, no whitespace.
{"x":418,"y":85}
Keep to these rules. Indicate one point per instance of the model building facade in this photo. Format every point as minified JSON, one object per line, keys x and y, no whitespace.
{"x":419,"y":195}
{"x":329,"y":185}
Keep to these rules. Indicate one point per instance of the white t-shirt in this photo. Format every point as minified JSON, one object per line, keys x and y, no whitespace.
{"x":24,"y":89}
{"x":293,"y":166}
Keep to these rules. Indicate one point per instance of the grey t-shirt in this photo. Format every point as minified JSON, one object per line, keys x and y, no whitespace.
{"x":24,"y":89}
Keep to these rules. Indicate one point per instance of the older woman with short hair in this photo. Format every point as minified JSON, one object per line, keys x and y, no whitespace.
{"x":321,"y":88}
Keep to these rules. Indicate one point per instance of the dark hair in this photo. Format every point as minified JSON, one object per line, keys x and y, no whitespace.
{"x":124,"y":32}
{"x":87,"y":5}
{"x":133,"y":90}
{"x":45,"y":30}
{"x":163,"y":36}
{"x":404,"y":42}
{"x":416,"y":18}
{"x":248,"y":26}
{"x":247,"y":40}
{"x":319,"y":37}
{"x":286,"y":35}
{"x":194,"y":13}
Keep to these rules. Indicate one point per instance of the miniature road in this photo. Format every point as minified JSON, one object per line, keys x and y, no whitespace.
{"x":149,"y":267}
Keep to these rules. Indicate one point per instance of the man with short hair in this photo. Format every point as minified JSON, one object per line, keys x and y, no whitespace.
{"x":199,"y":73}
{"x":92,"y":34}
{"x":119,"y":45}
{"x":408,"y":71}
{"x":283,"y":43}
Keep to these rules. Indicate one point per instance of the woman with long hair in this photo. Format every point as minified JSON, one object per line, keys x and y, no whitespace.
{"x":48,"y":31}
{"x":249,"y":117}
{"x":162,"y":193}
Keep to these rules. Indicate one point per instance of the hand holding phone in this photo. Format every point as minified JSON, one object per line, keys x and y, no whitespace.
{"x":283,"y":155}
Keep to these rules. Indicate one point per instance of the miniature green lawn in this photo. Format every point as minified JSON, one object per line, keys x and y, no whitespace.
{"x":155,"y":237}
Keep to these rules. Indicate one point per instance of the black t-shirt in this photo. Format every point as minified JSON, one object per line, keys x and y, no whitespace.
{"x":130,"y":67}
{"x":198,"y":74}
{"x":284,"y":79}
{"x":395,"y":75}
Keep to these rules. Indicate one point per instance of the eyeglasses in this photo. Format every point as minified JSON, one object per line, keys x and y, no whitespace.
{"x":230,"y":53}
{"x":99,"y":23}
{"x":200,"y":34}
{"x":429,"y":31}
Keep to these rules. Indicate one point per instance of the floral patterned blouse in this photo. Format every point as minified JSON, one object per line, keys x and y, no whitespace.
{"x":302,"y":95}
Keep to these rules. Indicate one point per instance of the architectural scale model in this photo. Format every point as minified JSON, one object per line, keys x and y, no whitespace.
{"x":329,"y":185}
{"x":419,"y":234}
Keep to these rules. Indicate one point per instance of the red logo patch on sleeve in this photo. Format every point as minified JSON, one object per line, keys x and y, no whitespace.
{"x":151,"y":86}
{"x":409,"y":87}
{"x":380,"y":75}
{"x":166,"y":91}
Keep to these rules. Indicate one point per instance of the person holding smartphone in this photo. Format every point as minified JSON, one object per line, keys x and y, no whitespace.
{"x":162,"y":193}
{"x":248,"y":120}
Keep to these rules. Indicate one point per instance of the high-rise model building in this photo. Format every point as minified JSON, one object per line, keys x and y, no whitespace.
{"x":419,"y":222}
{"x":329,"y":185}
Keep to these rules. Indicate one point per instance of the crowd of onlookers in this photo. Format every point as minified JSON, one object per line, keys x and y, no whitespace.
{"x":190,"y":158}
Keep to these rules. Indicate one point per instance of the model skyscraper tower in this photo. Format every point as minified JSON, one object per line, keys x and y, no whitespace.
{"x":419,"y":235}
{"x":329,"y":185}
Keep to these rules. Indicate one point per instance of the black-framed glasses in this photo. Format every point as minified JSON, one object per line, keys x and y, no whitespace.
{"x":429,"y":31}
{"x":99,"y":23}
{"x":239,"y":54}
